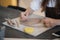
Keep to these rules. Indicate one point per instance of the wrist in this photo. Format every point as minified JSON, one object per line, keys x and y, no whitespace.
{"x":30,"y":11}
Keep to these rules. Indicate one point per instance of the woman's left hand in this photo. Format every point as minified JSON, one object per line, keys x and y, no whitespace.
{"x":49,"y":22}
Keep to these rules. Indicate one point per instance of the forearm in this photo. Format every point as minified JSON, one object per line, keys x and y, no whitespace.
{"x":57,"y":22}
{"x":29,"y":11}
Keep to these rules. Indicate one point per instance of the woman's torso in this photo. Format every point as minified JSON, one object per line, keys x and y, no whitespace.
{"x":36,"y":4}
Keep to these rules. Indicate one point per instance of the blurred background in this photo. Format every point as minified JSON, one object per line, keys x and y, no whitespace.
{"x":23,"y":3}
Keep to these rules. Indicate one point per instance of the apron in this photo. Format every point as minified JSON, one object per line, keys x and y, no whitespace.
{"x":50,"y":12}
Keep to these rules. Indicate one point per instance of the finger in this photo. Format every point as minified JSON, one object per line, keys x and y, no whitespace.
{"x":27,"y":14}
{"x":9,"y":21}
{"x":22,"y":16}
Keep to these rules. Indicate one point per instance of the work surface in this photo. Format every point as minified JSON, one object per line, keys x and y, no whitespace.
{"x":33,"y":23}
{"x":12,"y":33}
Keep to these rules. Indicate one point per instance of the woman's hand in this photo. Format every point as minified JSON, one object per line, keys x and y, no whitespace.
{"x":24,"y":15}
{"x":49,"y":22}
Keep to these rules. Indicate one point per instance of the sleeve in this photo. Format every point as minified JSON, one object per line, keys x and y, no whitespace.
{"x":35,"y":4}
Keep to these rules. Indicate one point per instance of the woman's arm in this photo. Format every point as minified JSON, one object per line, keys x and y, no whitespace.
{"x":50,"y":22}
{"x":29,"y":11}
{"x":57,"y":21}
{"x":35,"y":5}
